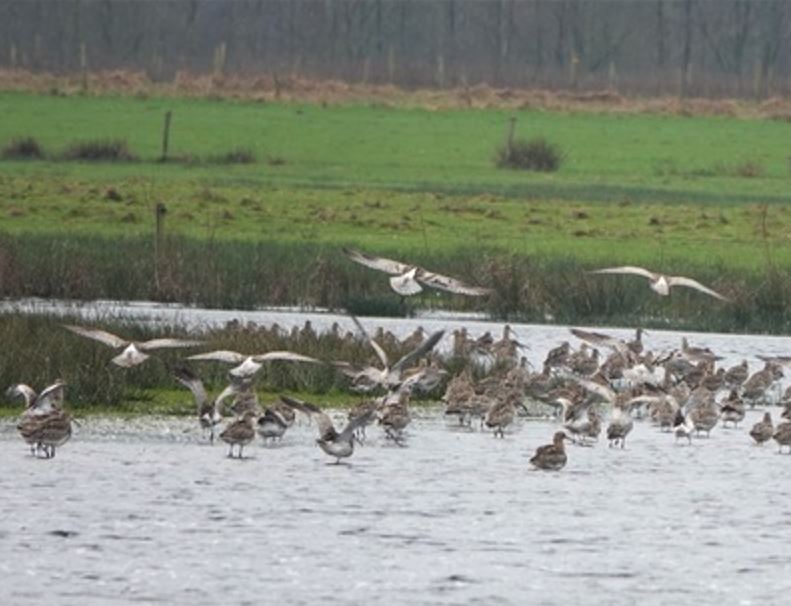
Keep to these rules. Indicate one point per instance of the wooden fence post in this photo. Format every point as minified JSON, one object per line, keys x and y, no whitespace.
{"x":166,"y":136}
{"x":159,"y":212}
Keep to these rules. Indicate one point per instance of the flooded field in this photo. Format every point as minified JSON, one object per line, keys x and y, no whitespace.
{"x":145,"y":511}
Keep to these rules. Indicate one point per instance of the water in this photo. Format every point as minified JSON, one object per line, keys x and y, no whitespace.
{"x":539,"y":337}
{"x":145,"y":511}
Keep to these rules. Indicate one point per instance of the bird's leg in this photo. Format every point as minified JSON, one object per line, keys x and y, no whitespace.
{"x":230,"y":452}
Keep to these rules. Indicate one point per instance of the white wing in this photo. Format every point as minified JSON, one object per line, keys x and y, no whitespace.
{"x":600,"y":390}
{"x":450,"y":284}
{"x":167,"y":343}
{"x":628,"y":269}
{"x":288,"y":356}
{"x":380,"y":263}
{"x":222,"y":355}
{"x":377,"y":348}
{"x":690,"y":283}
{"x":51,"y":396}
{"x":98,"y":335}
{"x":27,"y":392}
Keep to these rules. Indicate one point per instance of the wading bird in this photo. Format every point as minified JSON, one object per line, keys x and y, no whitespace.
{"x":44,"y":425}
{"x":210,"y":411}
{"x":551,"y":457}
{"x":336,"y":444}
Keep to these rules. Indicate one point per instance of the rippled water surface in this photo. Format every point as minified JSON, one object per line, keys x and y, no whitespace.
{"x":144,"y":511}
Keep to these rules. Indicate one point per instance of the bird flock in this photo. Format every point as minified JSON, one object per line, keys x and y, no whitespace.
{"x":602,"y":385}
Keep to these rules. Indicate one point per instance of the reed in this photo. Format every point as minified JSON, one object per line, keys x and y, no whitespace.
{"x":38,"y":350}
{"x":246,"y":275}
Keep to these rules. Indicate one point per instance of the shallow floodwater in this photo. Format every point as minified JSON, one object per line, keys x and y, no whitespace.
{"x":145,"y":511}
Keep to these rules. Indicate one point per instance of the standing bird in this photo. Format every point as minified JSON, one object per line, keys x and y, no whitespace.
{"x":44,"y":424}
{"x":620,"y":426}
{"x":209,"y":411}
{"x":336,"y":444}
{"x":132,"y":353}
{"x":551,"y":457}
{"x":683,"y":426}
{"x":240,"y":433}
{"x":732,"y":409}
{"x":407,"y":279}
{"x":783,"y":436}
{"x":763,"y":430}
{"x":501,"y":414}
{"x":275,"y":420}
{"x":661,"y":283}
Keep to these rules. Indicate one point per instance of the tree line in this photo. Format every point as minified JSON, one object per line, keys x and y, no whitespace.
{"x":711,"y":48}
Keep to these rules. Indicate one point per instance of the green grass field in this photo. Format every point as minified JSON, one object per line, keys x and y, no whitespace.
{"x":706,"y":195}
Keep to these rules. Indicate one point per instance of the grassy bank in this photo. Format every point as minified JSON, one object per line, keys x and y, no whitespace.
{"x":704,"y":196}
{"x":38,"y":350}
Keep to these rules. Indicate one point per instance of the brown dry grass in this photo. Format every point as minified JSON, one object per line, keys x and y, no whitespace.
{"x":270,"y":87}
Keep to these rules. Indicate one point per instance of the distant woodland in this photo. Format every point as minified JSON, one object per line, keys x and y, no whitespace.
{"x":708,"y":48}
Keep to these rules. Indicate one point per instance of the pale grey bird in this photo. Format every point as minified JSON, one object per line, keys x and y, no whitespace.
{"x":389,"y":376}
{"x":336,"y":444}
{"x":248,"y":365}
{"x":407,"y":279}
{"x":661,"y":283}
{"x":132,"y":353}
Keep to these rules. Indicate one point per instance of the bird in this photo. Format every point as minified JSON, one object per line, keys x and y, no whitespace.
{"x":389,"y":376}
{"x":240,"y":432}
{"x":249,"y":365}
{"x":48,"y":431}
{"x":683,"y":426}
{"x":551,"y":457}
{"x":620,"y":426}
{"x":501,"y":414}
{"x":395,"y":415}
{"x":336,"y":444}
{"x":209,"y":411}
{"x":132,"y":353}
{"x":44,"y":424}
{"x":275,"y":420}
{"x":601,"y":340}
{"x":705,"y":416}
{"x":588,"y":428}
{"x":732,"y":409}
{"x":763,"y":430}
{"x":783,"y":435}
{"x":409,"y":279}
{"x":37,"y":407}
{"x":661,"y":283}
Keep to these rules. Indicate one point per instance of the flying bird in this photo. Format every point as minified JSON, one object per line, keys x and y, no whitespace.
{"x":407,"y":279}
{"x":389,"y":376}
{"x":661,"y":283}
{"x":132,"y":353}
{"x":249,"y":365}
